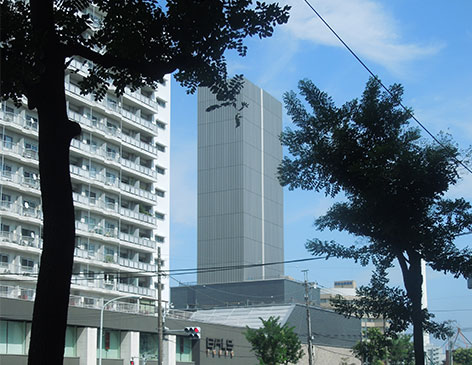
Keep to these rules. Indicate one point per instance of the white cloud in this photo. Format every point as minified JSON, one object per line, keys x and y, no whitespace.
{"x":364,"y":25}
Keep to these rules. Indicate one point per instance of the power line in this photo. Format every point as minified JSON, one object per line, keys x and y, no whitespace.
{"x":186,"y":271}
{"x":383,"y":86}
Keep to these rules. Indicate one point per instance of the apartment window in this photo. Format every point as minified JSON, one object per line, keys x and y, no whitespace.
{"x":12,"y":337}
{"x":3,"y":260}
{"x":89,"y":274}
{"x":111,"y":153}
{"x":160,"y":193}
{"x":31,"y":122}
{"x":160,"y":170}
{"x":110,"y":202}
{"x":109,"y":255}
{"x":31,"y":150}
{"x":161,"y":102}
{"x":160,"y":216}
{"x":111,"y":178}
{"x":27,"y":264}
{"x":31,"y":178}
{"x":112,"y":128}
{"x":159,"y":239}
{"x":160,"y":147}
{"x":6,"y":201}
{"x":183,"y":349}
{"x":6,"y":170}
{"x":112,"y":103}
{"x":161,"y":125}
{"x":7,"y":141}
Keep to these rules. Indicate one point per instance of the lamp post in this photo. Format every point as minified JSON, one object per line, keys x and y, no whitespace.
{"x":101,"y":321}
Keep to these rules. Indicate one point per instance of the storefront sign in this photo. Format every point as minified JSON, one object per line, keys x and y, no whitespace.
{"x":219,"y":347}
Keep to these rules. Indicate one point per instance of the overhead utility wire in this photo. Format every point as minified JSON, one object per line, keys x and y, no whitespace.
{"x":182,"y":271}
{"x":383,"y":86}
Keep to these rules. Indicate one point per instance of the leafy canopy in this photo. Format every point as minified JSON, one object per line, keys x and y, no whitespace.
{"x":376,"y":348}
{"x":135,"y":43}
{"x":463,"y":356}
{"x":394,"y":183}
{"x":274,"y":344}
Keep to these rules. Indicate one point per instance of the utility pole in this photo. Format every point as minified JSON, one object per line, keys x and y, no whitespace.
{"x":308,"y":320}
{"x":160,"y":326}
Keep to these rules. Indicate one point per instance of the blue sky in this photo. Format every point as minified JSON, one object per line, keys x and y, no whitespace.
{"x":424,"y":45}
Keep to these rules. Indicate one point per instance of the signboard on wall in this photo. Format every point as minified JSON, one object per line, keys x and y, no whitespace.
{"x":220,"y":347}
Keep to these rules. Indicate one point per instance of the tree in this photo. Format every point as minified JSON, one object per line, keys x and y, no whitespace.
{"x":377,"y":348}
{"x":275,"y":344}
{"x":462,"y":356}
{"x":38,"y":38}
{"x":394,"y":184}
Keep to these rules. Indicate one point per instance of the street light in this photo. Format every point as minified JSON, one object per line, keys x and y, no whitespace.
{"x":101,"y":320}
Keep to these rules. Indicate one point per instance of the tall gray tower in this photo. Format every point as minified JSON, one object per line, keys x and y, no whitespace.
{"x":240,"y":201}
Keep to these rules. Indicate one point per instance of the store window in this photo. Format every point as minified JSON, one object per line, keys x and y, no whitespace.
{"x":70,"y":348}
{"x":148,"y":346}
{"x":12,"y":337}
{"x":111,"y":345}
{"x":183,"y":349}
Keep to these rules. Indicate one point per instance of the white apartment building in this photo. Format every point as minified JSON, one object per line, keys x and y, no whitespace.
{"x":120,"y":178}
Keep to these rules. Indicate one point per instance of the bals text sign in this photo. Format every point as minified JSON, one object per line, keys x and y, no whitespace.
{"x":219,"y":347}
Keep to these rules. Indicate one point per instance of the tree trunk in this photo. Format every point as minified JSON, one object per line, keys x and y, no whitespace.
{"x":55,"y":133}
{"x":413,"y":280}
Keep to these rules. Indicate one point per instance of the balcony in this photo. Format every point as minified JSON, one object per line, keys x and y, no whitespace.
{"x":146,"y":147}
{"x":146,"y":242}
{"x":144,"y":99}
{"x":20,"y":180}
{"x":140,"y":217}
{"x":19,"y":120}
{"x":138,"y":192}
{"x":128,"y":288}
{"x":25,"y":211}
{"x":150,"y":173}
{"x":97,"y":229}
{"x":137,"y":265}
{"x":22,"y":240}
{"x":20,"y":150}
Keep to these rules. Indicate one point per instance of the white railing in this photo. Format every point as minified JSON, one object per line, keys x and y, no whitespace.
{"x":19,"y":120}
{"x":138,"y":240}
{"x":137,"y":191}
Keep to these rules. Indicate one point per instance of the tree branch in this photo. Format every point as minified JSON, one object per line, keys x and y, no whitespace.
{"x":155,"y":70}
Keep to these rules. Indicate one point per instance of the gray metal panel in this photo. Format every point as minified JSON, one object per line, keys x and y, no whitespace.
{"x":238,"y":186}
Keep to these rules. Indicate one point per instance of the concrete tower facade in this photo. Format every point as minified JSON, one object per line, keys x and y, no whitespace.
{"x":240,"y":201}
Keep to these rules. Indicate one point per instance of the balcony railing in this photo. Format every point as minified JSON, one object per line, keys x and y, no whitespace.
{"x":19,"y":120}
{"x":16,"y":208}
{"x":20,"y":179}
{"x":139,"y":192}
{"x":138,"y":240}
{"x":23,"y":240}
{"x":20,"y":150}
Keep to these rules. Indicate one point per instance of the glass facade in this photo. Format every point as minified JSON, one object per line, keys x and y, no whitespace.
{"x":12,"y":337}
{"x":148,"y":346}
{"x":183,"y":349}
{"x":111,"y":345}
{"x":70,"y":348}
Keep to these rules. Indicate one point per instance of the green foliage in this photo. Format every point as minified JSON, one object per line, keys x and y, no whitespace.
{"x":274,"y":344}
{"x":377,"y":348}
{"x":157,"y":38}
{"x":463,"y":356}
{"x":394,"y":184}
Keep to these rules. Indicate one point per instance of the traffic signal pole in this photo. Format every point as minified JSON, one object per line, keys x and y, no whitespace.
{"x":160,"y":326}
{"x":308,"y":320}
